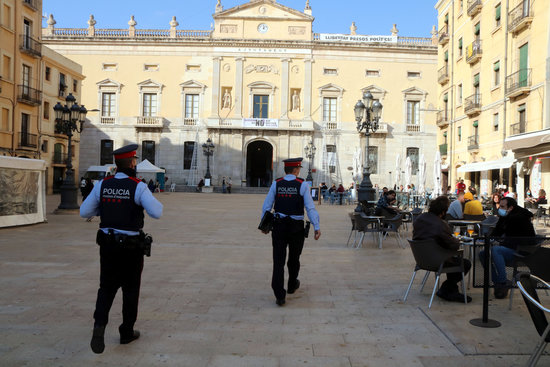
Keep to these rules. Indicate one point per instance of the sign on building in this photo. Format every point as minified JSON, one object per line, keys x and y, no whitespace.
{"x":261,"y":123}
{"x":328,"y":37}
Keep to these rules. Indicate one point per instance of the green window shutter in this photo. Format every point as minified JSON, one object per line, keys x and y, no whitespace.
{"x":497,"y":12}
{"x":476,"y":80}
{"x":446,"y":56}
{"x":447,"y":18}
{"x":496,"y":66}
{"x":460,"y":43}
{"x":477,"y":29}
{"x":476,"y":124}
{"x":521,"y":108}
{"x":445,"y":134}
{"x":445,"y":97}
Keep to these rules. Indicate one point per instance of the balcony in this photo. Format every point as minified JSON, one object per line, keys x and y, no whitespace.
{"x":474,"y":7}
{"x":106,"y":120}
{"x":28,"y":95}
{"x":518,"y":128}
{"x":382,"y":128}
{"x":190,"y":121}
{"x":472,"y":105}
{"x":443,"y":149}
{"x":443,"y":74}
{"x":30,"y":46}
{"x":518,"y":83}
{"x":412,"y":128}
{"x":60,"y":158}
{"x":442,"y":119}
{"x":473,"y":52}
{"x":520,"y":17}
{"x":443,"y":35}
{"x":27,"y":140}
{"x":33,"y":4}
{"x":149,"y":121}
{"x":473,"y":142}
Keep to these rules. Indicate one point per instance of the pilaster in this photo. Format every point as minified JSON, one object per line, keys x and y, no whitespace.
{"x":308,"y":70}
{"x":285,"y":88}
{"x":216,"y":66}
{"x":239,"y":87}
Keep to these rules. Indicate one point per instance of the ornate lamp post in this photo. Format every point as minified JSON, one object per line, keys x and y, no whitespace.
{"x":208,"y":150}
{"x":310,"y":154}
{"x":367,"y":115}
{"x":66,"y":118}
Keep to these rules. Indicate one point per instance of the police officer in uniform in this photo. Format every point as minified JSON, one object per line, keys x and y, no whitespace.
{"x":119,"y":201}
{"x":289,"y":195}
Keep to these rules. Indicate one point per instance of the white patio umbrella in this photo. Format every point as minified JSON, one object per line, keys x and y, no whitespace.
{"x":398,"y":171}
{"x":357,"y":164}
{"x":437,"y":176}
{"x":408,"y":171}
{"x":422,"y":175}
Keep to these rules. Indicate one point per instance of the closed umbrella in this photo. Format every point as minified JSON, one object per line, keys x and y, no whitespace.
{"x":398,"y":171}
{"x":408,"y":171}
{"x":422,"y":175}
{"x":437,"y":175}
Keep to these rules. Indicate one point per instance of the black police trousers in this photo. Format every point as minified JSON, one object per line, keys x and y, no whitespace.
{"x":120,"y":268}
{"x":286,"y":232}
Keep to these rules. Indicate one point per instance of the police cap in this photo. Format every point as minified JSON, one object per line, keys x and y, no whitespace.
{"x":127,"y":151}
{"x":293,"y":162}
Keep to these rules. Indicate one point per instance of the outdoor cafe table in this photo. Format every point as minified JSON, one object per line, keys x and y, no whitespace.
{"x":377,"y":220}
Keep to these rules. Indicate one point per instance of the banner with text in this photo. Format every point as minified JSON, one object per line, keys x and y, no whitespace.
{"x":261,"y":123}
{"x":327,"y":37}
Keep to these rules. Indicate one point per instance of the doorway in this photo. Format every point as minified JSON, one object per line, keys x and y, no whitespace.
{"x":259,"y":164}
{"x":57,"y":179}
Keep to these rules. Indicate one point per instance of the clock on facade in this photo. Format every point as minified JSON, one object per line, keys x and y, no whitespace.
{"x":262,"y":28}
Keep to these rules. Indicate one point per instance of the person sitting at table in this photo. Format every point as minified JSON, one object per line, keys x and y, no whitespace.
{"x":472,"y":207}
{"x":431,"y":225}
{"x":456,"y":208}
{"x":384,"y":206}
{"x":332,"y":189}
{"x":495,"y":202}
{"x":514,"y":221}
{"x":541,"y":199}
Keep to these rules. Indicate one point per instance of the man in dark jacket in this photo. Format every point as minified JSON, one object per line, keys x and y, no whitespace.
{"x":431,"y":225}
{"x":514,"y":222}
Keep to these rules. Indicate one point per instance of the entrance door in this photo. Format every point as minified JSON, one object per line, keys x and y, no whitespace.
{"x":259,"y":164}
{"x":57,"y":179}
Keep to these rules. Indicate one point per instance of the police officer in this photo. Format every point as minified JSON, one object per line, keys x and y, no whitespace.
{"x":290,"y":195}
{"x":119,"y":201}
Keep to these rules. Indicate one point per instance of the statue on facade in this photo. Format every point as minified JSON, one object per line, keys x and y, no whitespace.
{"x":353,"y":29}
{"x":226,"y":102}
{"x":296,"y":101}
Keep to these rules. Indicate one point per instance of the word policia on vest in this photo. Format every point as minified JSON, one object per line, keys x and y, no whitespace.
{"x":111,"y":193}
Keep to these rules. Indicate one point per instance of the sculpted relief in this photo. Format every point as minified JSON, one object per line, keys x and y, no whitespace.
{"x":261,"y":69}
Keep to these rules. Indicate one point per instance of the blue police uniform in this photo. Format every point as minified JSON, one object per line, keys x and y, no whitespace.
{"x":289,"y":196}
{"x":119,"y":201}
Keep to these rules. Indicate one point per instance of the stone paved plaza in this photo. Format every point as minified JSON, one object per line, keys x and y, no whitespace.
{"x":206,"y":299}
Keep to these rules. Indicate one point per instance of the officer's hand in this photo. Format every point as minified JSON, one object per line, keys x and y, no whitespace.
{"x":317,"y":234}
{"x":265,"y":232}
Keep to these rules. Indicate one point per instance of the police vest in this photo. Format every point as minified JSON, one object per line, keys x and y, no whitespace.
{"x":288,"y":200}
{"x":117,"y":207}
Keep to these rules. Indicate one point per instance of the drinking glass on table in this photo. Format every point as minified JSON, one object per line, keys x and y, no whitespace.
{"x":456,"y":231}
{"x":470,"y":229}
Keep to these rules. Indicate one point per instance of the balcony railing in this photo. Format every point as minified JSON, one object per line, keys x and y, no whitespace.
{"x":33,"y":4}
{"x":472,"y":104}
{"x":518,"y":83}
{"x":443,"y":35}
{"x":473,"y":52}
{"x":60,"y":158}
{"x":520,"y":17}
{"x":442,"y":118}
{"x":518,"y":128}
{"x":30,"y":46}
{"x":149,"y":121}
{"x":473,"y":142}
{"x":27,"y":140}
{"x":443,"y":74}
{"x":413,"y":128}
{"x":190,"y":121}
{"x":106,"y":120}
{"x":443,"y":149}
{"x":474,"y":6}
{"x":331,"y":125}
{"x":29,"y":95}
{"x":382,"y":128}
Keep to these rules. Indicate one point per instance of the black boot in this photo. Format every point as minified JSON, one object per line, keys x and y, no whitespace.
{"x":98,"y":343}
{"x":128,"y":336}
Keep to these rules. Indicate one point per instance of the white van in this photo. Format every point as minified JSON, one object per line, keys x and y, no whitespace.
{"x":98,"y":173}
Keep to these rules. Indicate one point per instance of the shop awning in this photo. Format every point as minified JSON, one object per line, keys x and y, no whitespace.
{"x":505,"y":162}
{"x":527,"y":140}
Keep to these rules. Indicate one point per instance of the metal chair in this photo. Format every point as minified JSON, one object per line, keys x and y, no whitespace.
{"x":527,"y":284}
{"x":366,"y":225}
{"x":391,"y":225}
{"x":431,"y":257}
{"x":535,"y":258}
{"x":353,"y":229}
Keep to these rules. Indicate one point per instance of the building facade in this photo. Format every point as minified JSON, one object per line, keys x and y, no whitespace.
{"x":262,"y":86}
{"x":30,"y":87}
{"x":494,"y":120}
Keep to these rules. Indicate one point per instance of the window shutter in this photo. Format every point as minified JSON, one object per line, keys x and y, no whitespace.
{"x":445,"y":134}
{"x":445,"y":97}
{"x":447,"y":18}
{"x":497,"y":66}
{"x":476,"y":124}
{"x":497,"y":13}
{"x":477,"y":29}
{"x":521,"y":108}
{"x":476,"y":80}
{"x":446,"y":56}
{"x":460,"y":43}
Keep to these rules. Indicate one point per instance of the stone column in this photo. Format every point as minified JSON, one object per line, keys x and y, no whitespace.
{"x":216,"y":86}
{"x":239,"y":87}
{"x":307,"y":88}
{"x":285,"y":88}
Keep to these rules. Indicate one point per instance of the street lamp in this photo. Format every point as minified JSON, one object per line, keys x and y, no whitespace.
{"x":310,"y":154}
{"x":367,"y":115}
{"x":66,"y":118}
{"x":208,"y":150}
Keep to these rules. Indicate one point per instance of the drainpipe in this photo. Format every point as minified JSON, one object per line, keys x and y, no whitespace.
{"x":547,"y":81}
{"x":450,"y":148}
{"x":505,"y":111}
{"x":14,"y":85}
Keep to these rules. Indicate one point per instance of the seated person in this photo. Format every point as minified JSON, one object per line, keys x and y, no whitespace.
{"x":456,"y":207}
{"x":384,"y":206}
{"x":431,"y":225}
{"x":472,"y":206}
{"x":541,"y":199}
{"x":514,"y":221}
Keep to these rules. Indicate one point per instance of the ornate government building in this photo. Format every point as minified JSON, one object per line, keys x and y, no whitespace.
{"x":262,"y":86}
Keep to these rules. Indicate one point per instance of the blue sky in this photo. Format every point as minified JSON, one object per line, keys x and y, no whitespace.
{"x":414,"y":18}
